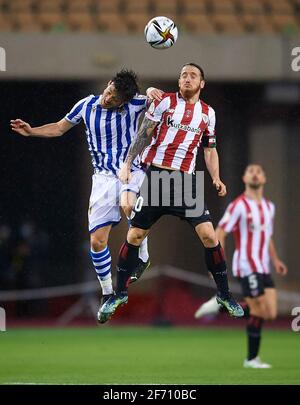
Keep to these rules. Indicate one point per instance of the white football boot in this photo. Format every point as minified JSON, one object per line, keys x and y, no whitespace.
{"x":210,"y":307}
{"x":256,"y":363}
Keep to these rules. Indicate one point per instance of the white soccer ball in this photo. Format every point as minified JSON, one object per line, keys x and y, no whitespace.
{"x":161,"y":32}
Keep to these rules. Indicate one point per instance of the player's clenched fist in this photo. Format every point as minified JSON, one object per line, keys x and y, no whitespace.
{"x":125,"y":173}
{"x":220,"y":187}
{"x":21,"y":127}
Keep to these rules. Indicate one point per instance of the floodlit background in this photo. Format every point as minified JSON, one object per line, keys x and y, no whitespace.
{"x":58,"y":51}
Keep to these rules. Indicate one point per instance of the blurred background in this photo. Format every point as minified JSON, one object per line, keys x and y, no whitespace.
{"x":59,"y":51}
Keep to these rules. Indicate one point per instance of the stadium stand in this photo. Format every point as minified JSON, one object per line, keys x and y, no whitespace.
{"x":121,"y":16}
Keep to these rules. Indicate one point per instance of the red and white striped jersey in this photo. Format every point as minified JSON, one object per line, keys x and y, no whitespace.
{"x":252,"y":225}
{"x":181,"y":127}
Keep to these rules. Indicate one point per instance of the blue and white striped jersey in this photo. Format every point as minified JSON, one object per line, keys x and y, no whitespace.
{"x":109,"y":132}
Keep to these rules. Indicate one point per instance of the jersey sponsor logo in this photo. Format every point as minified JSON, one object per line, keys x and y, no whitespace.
{"x":187,"y":128}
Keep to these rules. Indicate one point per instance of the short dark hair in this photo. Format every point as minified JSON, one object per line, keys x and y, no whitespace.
{"x":254,"y":164}
{"x":126,"y":84}
{"x":196,"y":66}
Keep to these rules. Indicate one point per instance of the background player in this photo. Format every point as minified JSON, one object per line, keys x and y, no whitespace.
{"x":111,"y":121}
{"x":177,"y":123}
{"x":250,"y":217}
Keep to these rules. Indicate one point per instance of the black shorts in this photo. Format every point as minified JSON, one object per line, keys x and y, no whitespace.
{"x":255,"y":284}
{"x":148,"y":210}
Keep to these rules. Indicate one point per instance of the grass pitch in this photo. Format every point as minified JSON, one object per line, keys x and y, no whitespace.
{"x":117,"y":355}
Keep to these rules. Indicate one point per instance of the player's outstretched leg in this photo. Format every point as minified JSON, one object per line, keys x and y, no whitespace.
{"x":128,"y":261}
{"x":210,"y":307}
{"x":216,"y":264}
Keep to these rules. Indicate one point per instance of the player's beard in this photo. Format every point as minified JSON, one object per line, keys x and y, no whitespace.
{"x":188,"y":93}
{"x":255,"y":186}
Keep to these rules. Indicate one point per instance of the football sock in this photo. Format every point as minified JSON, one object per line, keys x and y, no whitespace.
{"x":215,"y":262}
{"x":143,"y":252}
{"x":127,"y":262}
{"x":246,"y":309}
{"x":254,"y":327}
{"x":102,"y":264}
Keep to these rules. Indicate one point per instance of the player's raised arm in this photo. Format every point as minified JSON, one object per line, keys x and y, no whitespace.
{"x":136,"y":147}
{"x":45,"y":131}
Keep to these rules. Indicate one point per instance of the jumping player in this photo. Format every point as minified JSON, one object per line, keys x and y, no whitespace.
{"x":178,"y":123}
{"x":111,"y":123}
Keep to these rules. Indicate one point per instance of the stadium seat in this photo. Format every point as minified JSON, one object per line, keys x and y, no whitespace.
{"x":79,"y":6}
{"x":197,"y":24}
{"x":165,"y":8}
{"x":224,"y":6}
{"x":137,"y":6}
{"x":285,"y":23}
{"x":228,"y":23}
{"x":25,"y":22}
{"x":193,"y":6}
{"x":51,"y":21}
{"x":136,"y":21}
{"x":252,"y":6}
{"x":280,"y":6}
{"x":50,"y":5}
{"x":80,"y":21}
{"x":257,"y":23}
{"x":109,"y":6}
{"x":19,"y":6}
{"x":110,"y":22}
{"x":5,"y":23}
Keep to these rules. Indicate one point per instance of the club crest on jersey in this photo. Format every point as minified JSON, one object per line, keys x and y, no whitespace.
{"x":188,"y":113}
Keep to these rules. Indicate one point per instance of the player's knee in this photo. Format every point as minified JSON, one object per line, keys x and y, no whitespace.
{"x":135,"y":236}
{"x":258,"y":308}
{"x":209,"y":239}
{"x":272,"y":315}
{"x":98,"y":243}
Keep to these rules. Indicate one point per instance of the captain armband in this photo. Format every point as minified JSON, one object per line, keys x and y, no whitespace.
{"x":209,"y":141}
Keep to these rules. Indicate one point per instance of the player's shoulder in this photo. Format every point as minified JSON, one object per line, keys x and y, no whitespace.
{"x":91,"y":98}
{"x":207,"y":106}
{"x":166,"y":100}
{"x":270,"y":204}
{"x":237,"y":202}
{"x":138,"y":99}
{"x":168,"y":95}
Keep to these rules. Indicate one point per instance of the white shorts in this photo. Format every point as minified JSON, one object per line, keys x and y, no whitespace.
{"x":104,"y":205}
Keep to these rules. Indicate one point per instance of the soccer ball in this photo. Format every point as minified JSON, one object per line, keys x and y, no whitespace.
{"x":161,"y":32}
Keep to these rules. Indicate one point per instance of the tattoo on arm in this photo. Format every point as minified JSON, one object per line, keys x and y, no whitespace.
{"x":141,"y":139}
